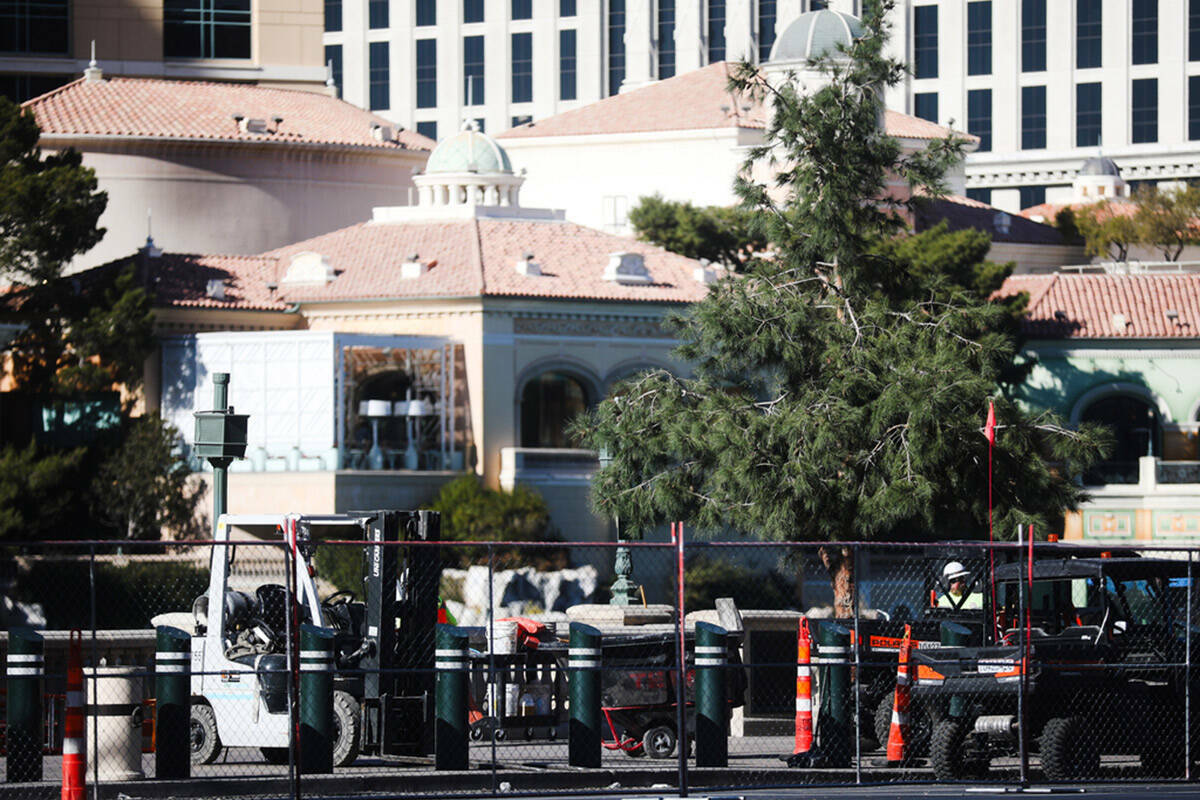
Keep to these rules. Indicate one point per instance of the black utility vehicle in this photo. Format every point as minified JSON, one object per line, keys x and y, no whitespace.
{"x":1104,"y":674}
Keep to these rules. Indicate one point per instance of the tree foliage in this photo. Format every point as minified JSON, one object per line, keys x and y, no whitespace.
{"x":1163,"y":220}
{"x":80,"y":334}
{"x":144,"y":488}
{"x":726,"y":236}
{"x":471,"y":512}
{"x":831,"y":402}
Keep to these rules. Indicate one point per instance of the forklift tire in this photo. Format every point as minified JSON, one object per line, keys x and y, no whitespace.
{"x":347,"y":729}
{"x":659,"y":742}
{"x":205,"y":743}
{"x":946,"y":751}
{"x":1069,"y":751}
{"x":274,"y":755}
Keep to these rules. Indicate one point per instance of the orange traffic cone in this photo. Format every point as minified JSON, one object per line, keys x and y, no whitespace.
{"x":898,"y":732}
{"x":74,"y":758}
{"x":804,"y":717}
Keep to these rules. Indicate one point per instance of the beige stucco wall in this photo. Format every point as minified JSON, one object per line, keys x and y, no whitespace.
{"x":201,"y":196}
{"x":508,"y":341}
{"x":285,"y":33}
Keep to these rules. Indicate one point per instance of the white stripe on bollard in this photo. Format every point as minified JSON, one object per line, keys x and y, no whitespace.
{"x":583,"y":651}
{"x":587,"y":663}
{"x":710,"y":651}
{"x":165,"y":668}
{"x":710,"y":662}
{"x":804,"y":704}
{"x":23,"y":672}
{"x":172,"y":655}
{"x":22,"y":658}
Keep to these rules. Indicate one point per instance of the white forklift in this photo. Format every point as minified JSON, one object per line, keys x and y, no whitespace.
{"x":241,"y":660}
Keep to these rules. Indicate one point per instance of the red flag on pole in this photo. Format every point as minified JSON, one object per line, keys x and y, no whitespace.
{"x":989,"y":429}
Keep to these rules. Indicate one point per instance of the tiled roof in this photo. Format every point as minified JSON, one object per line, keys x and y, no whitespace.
{"x":961,"y":213}
{"x":904,"y":126}
{"x":1048,"y":211}
{"x":145,"y":107}
{"x":695,"y":100}
{"x":1073,"y":306}
{"x":467,"y":258}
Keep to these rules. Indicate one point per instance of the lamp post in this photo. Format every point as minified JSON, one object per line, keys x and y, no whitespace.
{"x":623,"y":588}
{"x":376,"y":409}
{"x":221,"y":438}
{"x":414,"y":410}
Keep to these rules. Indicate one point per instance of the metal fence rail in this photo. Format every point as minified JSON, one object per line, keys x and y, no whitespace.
{"x":463,"y":669}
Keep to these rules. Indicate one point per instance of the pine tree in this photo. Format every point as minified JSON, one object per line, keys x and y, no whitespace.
{"x":829,"y":403}
{"x":80,"y":335}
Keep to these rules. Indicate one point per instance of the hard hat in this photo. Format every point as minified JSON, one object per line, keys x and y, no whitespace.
{"x":954,"y":570}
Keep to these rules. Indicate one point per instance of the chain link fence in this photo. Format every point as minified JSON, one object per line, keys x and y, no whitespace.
{"x":358,"y":660}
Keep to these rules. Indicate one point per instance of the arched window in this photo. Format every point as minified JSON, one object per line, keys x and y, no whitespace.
{"x":1135,"y":427}
{"x":548,"y":402}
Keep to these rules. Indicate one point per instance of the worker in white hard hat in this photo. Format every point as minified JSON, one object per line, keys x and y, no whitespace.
{"x":959,"y":594}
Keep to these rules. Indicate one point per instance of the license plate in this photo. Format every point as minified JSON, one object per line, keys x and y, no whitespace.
{"x":996,"y":665}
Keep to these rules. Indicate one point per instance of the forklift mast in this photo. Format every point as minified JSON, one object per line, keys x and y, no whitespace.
{"x":401,"y":616}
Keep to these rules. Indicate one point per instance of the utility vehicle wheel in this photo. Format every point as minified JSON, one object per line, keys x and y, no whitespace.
{"x":1069,"y":750}
{"x":659,"y":742}
{"x":205,"y":744}
{"x":347,"y":729}
{"x":947,"y":751}
{"x":274,"y":755}
{"x":883,"y":719}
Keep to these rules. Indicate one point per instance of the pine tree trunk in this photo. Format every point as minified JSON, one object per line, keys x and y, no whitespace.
{"x":839,"y":563}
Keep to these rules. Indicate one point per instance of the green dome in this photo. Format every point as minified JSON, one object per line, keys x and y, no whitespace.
{"x":816,"y":34}
{"x":469,"y":151}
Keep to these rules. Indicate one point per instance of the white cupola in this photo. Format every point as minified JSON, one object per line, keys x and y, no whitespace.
{"x":468,"y":169}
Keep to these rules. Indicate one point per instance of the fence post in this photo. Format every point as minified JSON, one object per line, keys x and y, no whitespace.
{"x":451,"y":746}
{"x":316,"y":699}
{"x":26,"y":676}
{"x":955,"y":635}
{"x":712,"y":708}
{"x":833,"y":728}
{"x":172,"y":704}
{"x":583,"y":661}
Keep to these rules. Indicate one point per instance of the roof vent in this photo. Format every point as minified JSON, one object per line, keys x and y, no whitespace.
{"x":1119,"y":323}
{"x":308,"y":269}
{"x":382,"y":133}
{"x":413,"y":267}
{"x":215,"y":289}
{"x":1002,"y":222}
{"x":626,"y":268}
{"x":527,"y":266}
{"x":252,"y":125}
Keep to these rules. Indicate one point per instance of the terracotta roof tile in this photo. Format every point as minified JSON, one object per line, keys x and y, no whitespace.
{"x":695,"y":100}
{"x":197,"y":110}
{"x":466,"y":258}
{"x":904,"y":126}
{"x":183,"y":281}
{"x":1072,"y":306}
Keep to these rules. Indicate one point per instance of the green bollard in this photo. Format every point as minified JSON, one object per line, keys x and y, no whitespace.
{"x":583,"y":660}
{"x":172,"y":704}
{"x":835,"y":726}
{"x":955,"y":635}
{"x":451,"y":748}
{"x":316,"y":699}
{"x":712,"y":708}
{"x":26,"y":675}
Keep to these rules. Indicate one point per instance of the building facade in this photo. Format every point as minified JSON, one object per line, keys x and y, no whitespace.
{"x":1044,"y":84}
{"x":430,"y":65}
{"x":46,"y":44}
{"x":223,"y":167}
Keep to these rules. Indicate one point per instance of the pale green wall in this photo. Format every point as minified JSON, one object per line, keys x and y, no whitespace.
{"x":1068,"y":371}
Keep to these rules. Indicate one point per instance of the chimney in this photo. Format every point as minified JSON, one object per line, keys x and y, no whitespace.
{"x":626,"y":268}
{"x":414,"y":267}
{"x":527,"y":266}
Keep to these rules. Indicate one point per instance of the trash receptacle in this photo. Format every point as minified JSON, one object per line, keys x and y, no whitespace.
{"x":114,"y":723}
